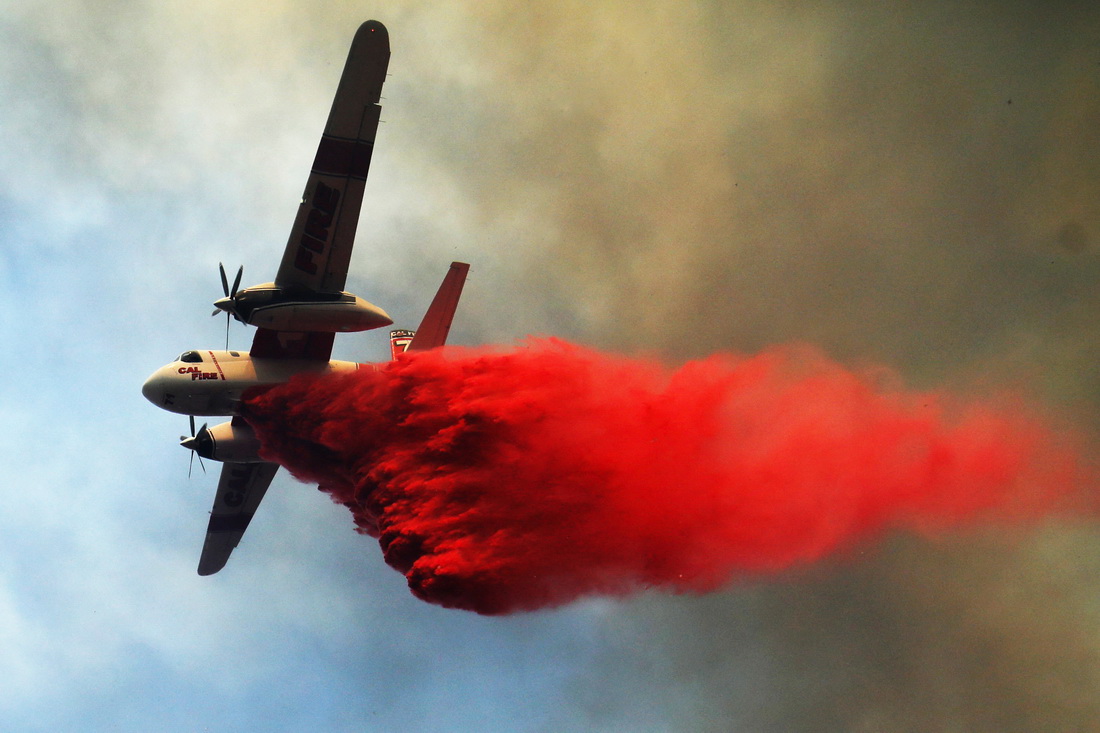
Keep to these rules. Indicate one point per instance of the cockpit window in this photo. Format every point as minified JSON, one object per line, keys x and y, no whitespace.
{"x":190,"y":357}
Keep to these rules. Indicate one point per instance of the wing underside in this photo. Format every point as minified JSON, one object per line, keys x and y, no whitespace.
{"x":240,"y":489}
{"x":319,"y":249}
{"x":316,"y":260}
{"x":314,"y":346}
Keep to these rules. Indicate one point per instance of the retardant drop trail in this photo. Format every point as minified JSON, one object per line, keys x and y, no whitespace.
{"x":503,"y":480}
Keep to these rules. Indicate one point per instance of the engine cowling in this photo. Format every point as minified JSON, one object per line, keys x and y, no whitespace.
{"x":226,"y":442}
{"x":269,"y":306}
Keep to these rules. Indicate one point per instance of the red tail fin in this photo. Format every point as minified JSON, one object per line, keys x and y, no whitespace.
{"x":399,"y":342}
{"x":437,"y":321}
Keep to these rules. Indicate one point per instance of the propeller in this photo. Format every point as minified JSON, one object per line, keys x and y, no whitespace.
{"x":191,"y":444}
{"x":228,"y":304}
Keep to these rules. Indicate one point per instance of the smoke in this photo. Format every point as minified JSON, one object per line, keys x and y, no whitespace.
{"x":504,"y":480}
{"x":915,"y":183}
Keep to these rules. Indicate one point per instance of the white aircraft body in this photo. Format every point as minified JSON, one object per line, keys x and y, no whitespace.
{"x":297,"y":315}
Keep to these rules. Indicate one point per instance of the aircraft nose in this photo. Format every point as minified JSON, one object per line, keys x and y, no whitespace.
{"x":153,"y":389}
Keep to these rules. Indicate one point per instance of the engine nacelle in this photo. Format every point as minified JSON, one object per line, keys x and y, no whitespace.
{"x":269,"y":306}
{"x":227,"y":443}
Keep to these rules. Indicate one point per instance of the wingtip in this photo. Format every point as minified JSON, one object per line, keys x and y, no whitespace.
{"x":209,"y":568}
{"x":374,"y":26}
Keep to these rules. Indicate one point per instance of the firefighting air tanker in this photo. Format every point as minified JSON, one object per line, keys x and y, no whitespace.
{"x":299,"y":314}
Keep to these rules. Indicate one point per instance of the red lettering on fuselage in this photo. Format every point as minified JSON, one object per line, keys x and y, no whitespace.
{"x":197,"y":373}
{"x":315,"y":237}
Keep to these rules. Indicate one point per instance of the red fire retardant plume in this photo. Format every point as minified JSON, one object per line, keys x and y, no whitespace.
{"x":502,"y":480}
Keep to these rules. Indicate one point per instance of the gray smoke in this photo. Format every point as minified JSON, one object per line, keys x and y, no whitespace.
{"x":910,"y":185}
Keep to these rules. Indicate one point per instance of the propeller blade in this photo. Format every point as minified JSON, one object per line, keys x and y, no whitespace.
{"x":228,"y":304}
{"x":189,"y":443}
{"x":236,"y":281}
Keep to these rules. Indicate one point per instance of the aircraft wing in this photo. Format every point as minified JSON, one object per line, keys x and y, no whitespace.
{"x":241,"y":488}
{"x":319,"y":249}
{"x":316,"y":259}
{"x":312,"y":346}
{"x":242,"y":485}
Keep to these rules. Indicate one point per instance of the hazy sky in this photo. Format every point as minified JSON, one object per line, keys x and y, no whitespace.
{"x":910,"y":184}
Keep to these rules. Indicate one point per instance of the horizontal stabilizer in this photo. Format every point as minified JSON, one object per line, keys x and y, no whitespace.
{"x":437,"y":321}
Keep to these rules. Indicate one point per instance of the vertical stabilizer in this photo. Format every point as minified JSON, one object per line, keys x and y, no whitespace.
{"x":437,"y":321}
{"x":399,"y":341}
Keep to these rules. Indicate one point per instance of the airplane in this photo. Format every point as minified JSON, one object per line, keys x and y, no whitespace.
{"x":298,"y":315}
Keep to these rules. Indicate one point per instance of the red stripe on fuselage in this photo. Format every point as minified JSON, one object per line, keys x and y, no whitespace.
{"x":216,"y":364}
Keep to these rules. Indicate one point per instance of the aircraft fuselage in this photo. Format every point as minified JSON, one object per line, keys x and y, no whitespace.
{"x":212,"y":382}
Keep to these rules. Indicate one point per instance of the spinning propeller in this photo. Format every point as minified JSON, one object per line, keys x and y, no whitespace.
{"x":191,"y":444}
{"x":229,"y":302}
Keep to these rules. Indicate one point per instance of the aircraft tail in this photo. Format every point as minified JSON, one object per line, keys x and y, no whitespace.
{"x":399,"y":341}
{"x":436,"y":323}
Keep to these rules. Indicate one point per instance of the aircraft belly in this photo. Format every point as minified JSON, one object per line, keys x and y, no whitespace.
{"x":209,"y":401}
{"x":275,"y":371}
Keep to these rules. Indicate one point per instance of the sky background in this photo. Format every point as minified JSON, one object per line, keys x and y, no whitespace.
{"x":916,"y":185}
